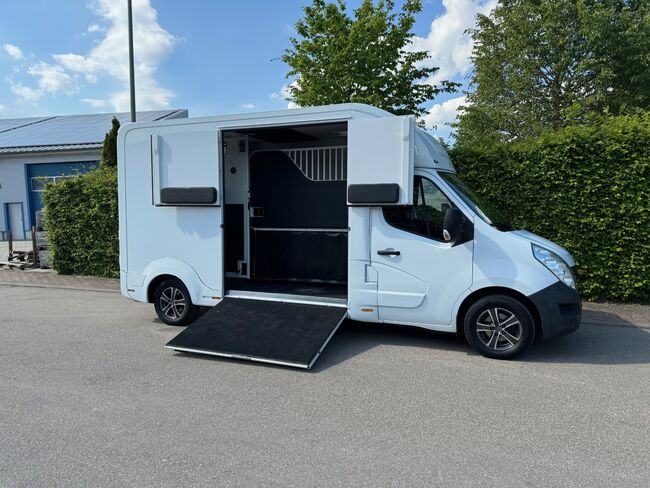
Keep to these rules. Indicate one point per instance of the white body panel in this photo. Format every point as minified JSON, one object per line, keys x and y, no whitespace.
{"x":424,"y":286}
{"x":153,"y":235}
{"x":362,"y":278}
{"x":185,"y":156}
{"x":382,"y":151}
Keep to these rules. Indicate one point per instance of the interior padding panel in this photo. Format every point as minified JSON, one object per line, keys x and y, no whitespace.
{"x":286,"y":200}
{"x":290,"y":199}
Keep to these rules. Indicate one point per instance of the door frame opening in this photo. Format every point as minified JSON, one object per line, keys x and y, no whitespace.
{"x":318,"y":152}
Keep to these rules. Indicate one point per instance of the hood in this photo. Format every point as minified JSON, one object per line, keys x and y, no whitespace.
{"x":550,"y":245}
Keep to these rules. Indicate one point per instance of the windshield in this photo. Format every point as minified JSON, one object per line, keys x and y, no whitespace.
{"x":481,"y":207}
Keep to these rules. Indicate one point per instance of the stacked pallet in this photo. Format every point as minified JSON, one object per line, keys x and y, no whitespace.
{"x":41,"y":245}
{"x":37,"y":256}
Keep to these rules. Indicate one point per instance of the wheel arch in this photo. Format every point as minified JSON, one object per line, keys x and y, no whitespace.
{"x":497,"y":290}
{"x":153,"y":284}
{"x":166,"y":268}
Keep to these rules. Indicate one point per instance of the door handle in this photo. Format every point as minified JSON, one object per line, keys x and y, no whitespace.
{"x":388,"y":252}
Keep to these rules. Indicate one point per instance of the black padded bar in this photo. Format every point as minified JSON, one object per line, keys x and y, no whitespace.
{"x":373,"y":194}
{"x":198,"y":195}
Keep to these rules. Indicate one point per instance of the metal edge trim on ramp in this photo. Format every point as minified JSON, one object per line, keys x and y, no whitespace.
{"x":237,"y":356}
{"x":317,"y":355}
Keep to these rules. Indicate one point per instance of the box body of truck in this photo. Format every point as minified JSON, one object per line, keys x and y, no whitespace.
{"x":341,"y":206}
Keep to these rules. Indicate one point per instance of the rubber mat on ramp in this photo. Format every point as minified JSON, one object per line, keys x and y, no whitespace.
{"x":290,"y":334}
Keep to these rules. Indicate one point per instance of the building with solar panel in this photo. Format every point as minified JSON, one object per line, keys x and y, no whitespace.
{"x":38,"y":150}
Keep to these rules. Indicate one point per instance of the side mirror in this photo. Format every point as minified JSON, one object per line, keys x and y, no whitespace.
{"x":452,"y":227}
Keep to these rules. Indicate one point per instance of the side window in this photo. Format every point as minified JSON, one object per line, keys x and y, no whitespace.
{"x":426,"y":216}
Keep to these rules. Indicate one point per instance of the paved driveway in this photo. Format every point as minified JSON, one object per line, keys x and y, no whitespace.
{"x":89,"y":397}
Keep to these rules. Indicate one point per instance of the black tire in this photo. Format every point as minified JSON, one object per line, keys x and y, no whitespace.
{"x":173,"y":303}
{"x":499,"y":327}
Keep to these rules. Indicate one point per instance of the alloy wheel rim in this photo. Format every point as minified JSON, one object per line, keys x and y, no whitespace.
{"x":499,"y":329}
{"x":172,"y":302}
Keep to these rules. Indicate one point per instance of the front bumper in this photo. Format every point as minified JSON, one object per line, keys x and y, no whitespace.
{"x":560,"y":310}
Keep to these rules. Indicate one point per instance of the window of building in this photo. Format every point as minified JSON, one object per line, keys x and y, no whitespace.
{"x":38,"y":183}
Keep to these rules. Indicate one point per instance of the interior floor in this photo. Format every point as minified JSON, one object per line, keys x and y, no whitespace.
{"x":329,"y":290}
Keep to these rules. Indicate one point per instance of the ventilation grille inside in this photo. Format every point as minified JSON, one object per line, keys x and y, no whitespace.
{"x":321,"y":163}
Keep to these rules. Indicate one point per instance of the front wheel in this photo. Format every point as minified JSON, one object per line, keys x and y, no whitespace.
{"x":173,"y":303}
{"x":499,"y":326}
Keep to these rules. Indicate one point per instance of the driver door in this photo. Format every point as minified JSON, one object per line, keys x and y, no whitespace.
{"x":420,"y":276}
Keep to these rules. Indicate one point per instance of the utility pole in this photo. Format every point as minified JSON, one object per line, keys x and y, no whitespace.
{"x":131,"y":62}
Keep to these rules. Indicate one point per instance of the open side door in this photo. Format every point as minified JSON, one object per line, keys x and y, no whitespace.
{"x":381,"y":161}
{"x":185,"y":168}
{"x":186,"y":190}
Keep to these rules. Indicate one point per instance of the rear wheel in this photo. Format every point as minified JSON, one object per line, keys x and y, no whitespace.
{"x":499,"y":326}
{"x":173,"y":303}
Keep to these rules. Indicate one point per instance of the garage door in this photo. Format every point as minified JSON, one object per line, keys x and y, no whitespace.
{"x":40,"y":175}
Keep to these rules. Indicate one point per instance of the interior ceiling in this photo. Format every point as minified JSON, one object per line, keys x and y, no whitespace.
{"x":297,"y":133}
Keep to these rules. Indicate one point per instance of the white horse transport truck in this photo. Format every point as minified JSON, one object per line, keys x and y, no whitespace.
{"x":288,"y":222}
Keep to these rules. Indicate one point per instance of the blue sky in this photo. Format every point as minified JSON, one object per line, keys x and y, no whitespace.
{"x":211,"y":57}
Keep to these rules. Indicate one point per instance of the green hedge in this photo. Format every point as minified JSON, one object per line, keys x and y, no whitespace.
{"x":586,"y":188}
{"x":81,"y":220}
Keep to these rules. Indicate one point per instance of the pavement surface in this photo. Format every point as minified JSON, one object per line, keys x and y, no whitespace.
{"x":89,"y":397}
{"x":46,"y":278}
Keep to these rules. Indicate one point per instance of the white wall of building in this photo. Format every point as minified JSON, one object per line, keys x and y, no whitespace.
{"x":14,"y":186}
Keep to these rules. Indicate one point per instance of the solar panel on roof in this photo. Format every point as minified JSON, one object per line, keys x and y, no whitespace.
{"x":65,"y":130}
{"x":10,"y":124}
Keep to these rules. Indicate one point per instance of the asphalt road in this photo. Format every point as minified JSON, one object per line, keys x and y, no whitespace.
{"x":89,"y":397}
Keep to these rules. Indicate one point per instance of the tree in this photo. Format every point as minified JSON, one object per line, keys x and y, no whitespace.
{"x":109,"y":149}
{"x":364,"y":59}
{"x":542,"y":64}
{"x":618,"y":32}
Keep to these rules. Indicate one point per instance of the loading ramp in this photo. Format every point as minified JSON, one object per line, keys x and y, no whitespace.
{"x":289,"y":334}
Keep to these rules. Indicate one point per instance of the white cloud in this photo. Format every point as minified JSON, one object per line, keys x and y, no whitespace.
{"x":444,"y":113}
{"x":94,"y":102}
{"x":450,"y":49}
{"x":449,"y":46}
{"x":25,"y":92}
{"x":110,"y":56}
{"x":13,"y":51}
{"x":149,"y":96}
{"x":281,"y":94}
{"x":52,"y":78}
{"x":108,"y":60}
{"x":248,"y":106}
{"x":284,"y":94}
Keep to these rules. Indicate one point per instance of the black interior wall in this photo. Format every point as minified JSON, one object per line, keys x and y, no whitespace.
{"x":291,"y":200}
{"x":283,"y":198}
{"x":308,"y":256}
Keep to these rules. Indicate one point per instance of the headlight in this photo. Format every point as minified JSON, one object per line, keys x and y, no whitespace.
{"x":555,"y":264}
